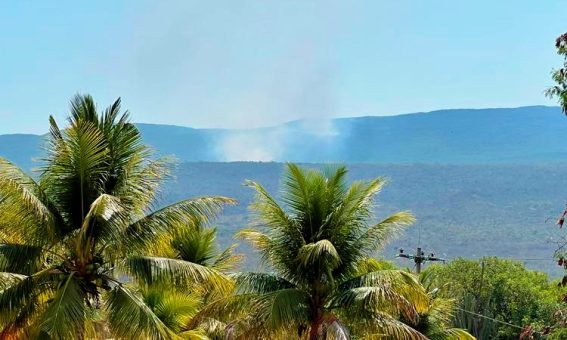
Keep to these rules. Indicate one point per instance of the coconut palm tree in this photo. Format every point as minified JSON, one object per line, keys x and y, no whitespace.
{"x":175,"y":305}
{"x":74,"y":244}
{"x":198,"y":245}
{"x":437,"y":321}
{"x":325,"y":284}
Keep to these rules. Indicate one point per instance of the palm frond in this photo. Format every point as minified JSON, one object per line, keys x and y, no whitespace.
{"x":54,"y":130}
{"x":441,"y":312}
{"x":283,"y":308}
{"x":322,"y":252}
{"x":452,"y":334}
{"x":104,"y":207}
{"x":210,"y":328}
{"x":24,"y":207}
{"x":194,"y":334}
{"x":227,"y":260}
{"x":268,"y":211}
{"x":402,"y":283}
{"x":129,"y":317}
{"x":296,"y":193}
{"x":83,"y":108}
{"x":367,"y":301}
{"x":7,"y":279}
{"x":259,"y":240}
{"x":196,"y":245}
{"x":375,"y":237}
{"x":18,"y":293}
{"x":98,"y":223}
{"x":155,"y":270}
{"x":144,"y":231}
{"x":368,"y":265}
{"x":225,"y":308}
{"x":19,"y":258}
{"x":66,"y":314}
{"x":358,"y":201}
{"x":260,"y":283}
{"x":138,"y":182}
{"x":173,"y":307}
{"x":385,"y":327}
{"x":75,"y":168}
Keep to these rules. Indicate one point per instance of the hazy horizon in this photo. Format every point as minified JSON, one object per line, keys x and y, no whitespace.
{"x":305,"y":119}
{"x":256,"y":64}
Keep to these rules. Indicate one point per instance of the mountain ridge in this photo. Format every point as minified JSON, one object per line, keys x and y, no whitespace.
{"x":450,"y":136}
{"x":332,"y":119}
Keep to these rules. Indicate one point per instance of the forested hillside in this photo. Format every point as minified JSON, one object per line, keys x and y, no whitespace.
{"x":462,"y":210}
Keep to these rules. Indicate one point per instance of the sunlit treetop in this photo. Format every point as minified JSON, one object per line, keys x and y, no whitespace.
{"x":559,"y":76}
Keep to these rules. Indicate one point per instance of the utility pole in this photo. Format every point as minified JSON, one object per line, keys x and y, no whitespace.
{"x":419,"y":258}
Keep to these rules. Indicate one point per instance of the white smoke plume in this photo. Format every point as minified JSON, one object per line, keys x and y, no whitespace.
{"x":299,"y":88}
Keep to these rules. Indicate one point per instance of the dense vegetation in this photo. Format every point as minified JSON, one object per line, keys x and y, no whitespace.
{"x":462,"y":210}
{"x":85,"y":252}
{"x":500,"y":289}
{"x":83,"y":255}
{"x":69,"y":240}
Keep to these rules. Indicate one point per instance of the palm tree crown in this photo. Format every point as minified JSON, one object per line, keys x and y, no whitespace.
{"x":68,"y":240}
{"x":319,"y":244}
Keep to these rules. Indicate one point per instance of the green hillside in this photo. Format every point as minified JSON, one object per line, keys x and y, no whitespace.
{"x":462,"y":210}
{"x":466,"y":136}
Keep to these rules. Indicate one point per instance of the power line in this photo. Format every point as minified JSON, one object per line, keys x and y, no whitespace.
{"x":504,"y":258}
{"x":511,"y":258}
{"x":489,"y":318}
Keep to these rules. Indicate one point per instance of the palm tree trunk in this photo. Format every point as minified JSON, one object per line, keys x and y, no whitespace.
{"x":9,"y":333}
{"x":316,"y":331}
{"x":323,"y":324}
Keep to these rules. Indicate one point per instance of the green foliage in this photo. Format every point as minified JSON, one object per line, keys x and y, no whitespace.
{"x":64,"y":238}
{"x":84,"y":254}
{"x":559,"y":76}
{"x":184,"y":274}
{"x":504,"y":290}
{"x":462,"y":210}
{"x":558,"y":334}
{"x":319,"y":241}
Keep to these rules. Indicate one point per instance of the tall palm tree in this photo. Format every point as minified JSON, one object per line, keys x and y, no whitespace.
{"x":324,"y":284}
{"x":74,"y":244}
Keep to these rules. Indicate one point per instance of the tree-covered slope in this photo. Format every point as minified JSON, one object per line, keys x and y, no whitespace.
{"x":462,"y":210}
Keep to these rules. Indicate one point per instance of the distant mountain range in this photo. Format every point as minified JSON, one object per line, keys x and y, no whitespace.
{"x":463,"y":136}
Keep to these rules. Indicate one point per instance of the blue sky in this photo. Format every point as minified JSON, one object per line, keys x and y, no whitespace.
{"x":259,"y":63}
